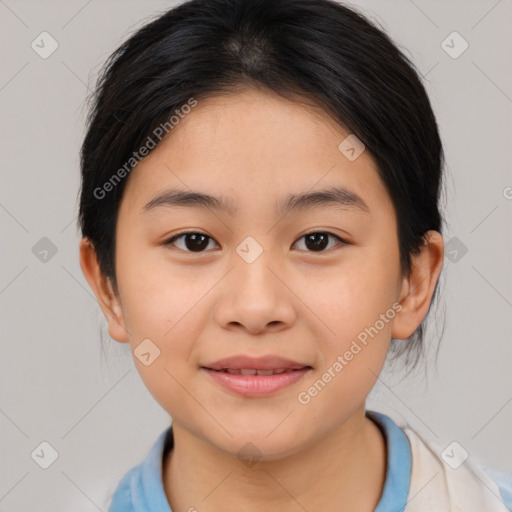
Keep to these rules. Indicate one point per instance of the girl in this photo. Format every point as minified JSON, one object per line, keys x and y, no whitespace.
{"x":260,"y":220}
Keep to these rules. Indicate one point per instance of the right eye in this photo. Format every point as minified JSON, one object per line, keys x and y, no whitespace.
{"x":192,"y":241}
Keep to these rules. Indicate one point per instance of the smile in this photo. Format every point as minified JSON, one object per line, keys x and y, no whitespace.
{"x":252,"y":371}
{"x":254,"y":382}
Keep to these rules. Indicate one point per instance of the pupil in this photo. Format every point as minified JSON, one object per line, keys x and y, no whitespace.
{"x":319,"y":240}
{"x":199,"y":241}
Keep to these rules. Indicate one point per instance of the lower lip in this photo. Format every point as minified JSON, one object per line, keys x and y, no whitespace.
{"x":256,"y":385}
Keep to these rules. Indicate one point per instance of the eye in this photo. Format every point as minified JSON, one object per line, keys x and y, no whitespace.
{"x":193,"y":241}
{"x":317,"y":241}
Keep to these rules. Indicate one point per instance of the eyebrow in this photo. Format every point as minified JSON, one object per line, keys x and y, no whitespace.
{"x":333,"y":196}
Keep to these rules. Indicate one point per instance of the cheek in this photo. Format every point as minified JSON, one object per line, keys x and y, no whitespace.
{"x":358,"y":312}
{"x":167,"y":308}
{"x":355,"y":303}
{"x":352,"y":296}
{"x":157,"y":295}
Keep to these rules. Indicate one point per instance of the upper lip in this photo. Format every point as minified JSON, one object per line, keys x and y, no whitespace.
{"x":269,"y":362}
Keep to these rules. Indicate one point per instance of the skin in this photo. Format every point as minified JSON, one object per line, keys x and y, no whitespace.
{"x":293,"y":301}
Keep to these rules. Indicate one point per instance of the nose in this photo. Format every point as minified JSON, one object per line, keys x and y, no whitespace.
{"x":255,"y":297}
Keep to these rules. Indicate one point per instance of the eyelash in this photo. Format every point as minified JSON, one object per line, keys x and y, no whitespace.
{"x":180,"y":235}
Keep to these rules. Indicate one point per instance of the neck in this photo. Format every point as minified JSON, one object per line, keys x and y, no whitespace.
{"x":343,"y":471}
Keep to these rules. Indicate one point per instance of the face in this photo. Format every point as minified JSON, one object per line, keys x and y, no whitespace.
{"x":257,"y":279}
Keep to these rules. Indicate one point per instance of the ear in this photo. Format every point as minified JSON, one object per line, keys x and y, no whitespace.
{"x":102,"y":288}
{"x":418,"y":288}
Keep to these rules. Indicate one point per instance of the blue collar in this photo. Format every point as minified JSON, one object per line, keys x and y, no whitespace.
{"x":141,"y":489}
{"x":399,"y":461}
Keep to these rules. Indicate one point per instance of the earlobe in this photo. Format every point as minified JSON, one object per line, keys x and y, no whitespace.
{"x":418,"y":288}
{"x":102,"y":288}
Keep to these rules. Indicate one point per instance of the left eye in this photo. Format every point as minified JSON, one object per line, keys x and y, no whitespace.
{"x":316,"y":241}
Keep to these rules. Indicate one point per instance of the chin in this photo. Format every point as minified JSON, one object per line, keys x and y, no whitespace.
{"x":261,"y":442}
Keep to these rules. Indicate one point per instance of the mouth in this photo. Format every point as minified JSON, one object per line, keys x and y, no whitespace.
{"x":246,"y":363}
{"x":252,"y":377}
{"x":254,"y":371}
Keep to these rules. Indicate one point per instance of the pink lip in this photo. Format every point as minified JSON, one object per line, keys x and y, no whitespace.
{"x":269,"y":362}
{"x":256,"y":385}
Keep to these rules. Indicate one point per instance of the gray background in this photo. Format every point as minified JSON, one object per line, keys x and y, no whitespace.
{"x":57,"y":383}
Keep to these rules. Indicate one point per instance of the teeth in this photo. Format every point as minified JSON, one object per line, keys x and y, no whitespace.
{"x":264,"y":372}
{"x":252,"y":371}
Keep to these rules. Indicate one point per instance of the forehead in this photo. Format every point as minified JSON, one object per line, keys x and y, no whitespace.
{"x":251,"y":147}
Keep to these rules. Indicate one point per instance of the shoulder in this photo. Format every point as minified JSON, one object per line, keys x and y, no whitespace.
{"x":122,"y":499}
{"x":141,"y":488}
{"x":444,"y":478}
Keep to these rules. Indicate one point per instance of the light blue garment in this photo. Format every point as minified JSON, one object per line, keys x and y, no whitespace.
{"x":141,"y":489}
{"x":504,"y":483}
{"x":398,"y":472}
